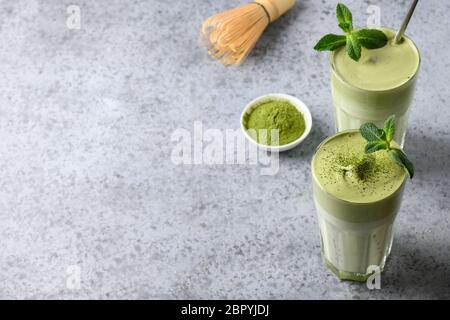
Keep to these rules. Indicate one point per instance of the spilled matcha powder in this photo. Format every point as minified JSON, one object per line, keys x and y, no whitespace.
{"x":279,"y":115}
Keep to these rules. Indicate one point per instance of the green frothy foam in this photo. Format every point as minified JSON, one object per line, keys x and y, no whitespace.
{"x":345,"y":171}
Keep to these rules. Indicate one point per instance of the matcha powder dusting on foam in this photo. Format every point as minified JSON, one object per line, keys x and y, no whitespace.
{"x":276,"y":115}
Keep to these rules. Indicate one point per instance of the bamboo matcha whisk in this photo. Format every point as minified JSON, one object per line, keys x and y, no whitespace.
{"x":231,"y":35}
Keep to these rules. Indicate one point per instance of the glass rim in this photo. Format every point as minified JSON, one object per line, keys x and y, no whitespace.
{"x":316,"y":180}
{"x":342,"y":80}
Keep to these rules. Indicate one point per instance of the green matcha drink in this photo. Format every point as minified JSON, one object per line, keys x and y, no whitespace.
{"x":357,"y":197}
{"x":379,"y":84}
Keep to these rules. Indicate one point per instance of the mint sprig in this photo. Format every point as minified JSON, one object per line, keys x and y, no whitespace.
{"x":381,"y":139}
{"x":331,"y":42}
{"x":344,"y":17}
{"x":353,"y":40}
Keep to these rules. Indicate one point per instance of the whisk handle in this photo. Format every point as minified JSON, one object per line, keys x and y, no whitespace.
{"x":276,"y":8}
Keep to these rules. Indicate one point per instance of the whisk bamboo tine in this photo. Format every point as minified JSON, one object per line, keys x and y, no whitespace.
{"x":231,"y":35}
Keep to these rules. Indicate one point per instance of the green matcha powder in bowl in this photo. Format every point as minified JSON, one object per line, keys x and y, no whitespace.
{"x":285,"y":114}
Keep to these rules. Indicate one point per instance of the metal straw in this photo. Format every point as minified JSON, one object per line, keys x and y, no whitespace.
{"x":399,"y":36}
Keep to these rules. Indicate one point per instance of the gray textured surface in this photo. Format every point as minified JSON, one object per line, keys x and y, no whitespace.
{"x":86,"y":179}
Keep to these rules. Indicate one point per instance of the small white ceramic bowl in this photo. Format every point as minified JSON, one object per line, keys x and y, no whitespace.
{"x":283,"y":97}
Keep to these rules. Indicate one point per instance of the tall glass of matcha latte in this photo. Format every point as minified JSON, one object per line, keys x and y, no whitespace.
{"x":380,"y":83}
{"x":357,"y":197}
{"x":373,"y":73}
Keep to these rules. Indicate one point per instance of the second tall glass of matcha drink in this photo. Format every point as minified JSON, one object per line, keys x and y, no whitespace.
{"x":379,"y":84}
{"x":373,"y":73}
{"x":357,"y":197}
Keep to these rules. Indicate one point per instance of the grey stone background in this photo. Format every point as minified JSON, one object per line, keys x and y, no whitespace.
{"x":86,"y":180}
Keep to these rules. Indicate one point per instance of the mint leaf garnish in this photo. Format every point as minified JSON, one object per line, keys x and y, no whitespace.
{"x":370,"y":132}
{"x":380,"y":139}
{"x":389,"y":128}
{"x":353,"y":47}
{"x":353,"y":40}
{"x":371,"y":38}
{"x":344,"y":17}
{"x":330,"y":42}
{"x":401,"y":159}
{"x":374,"y":146}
